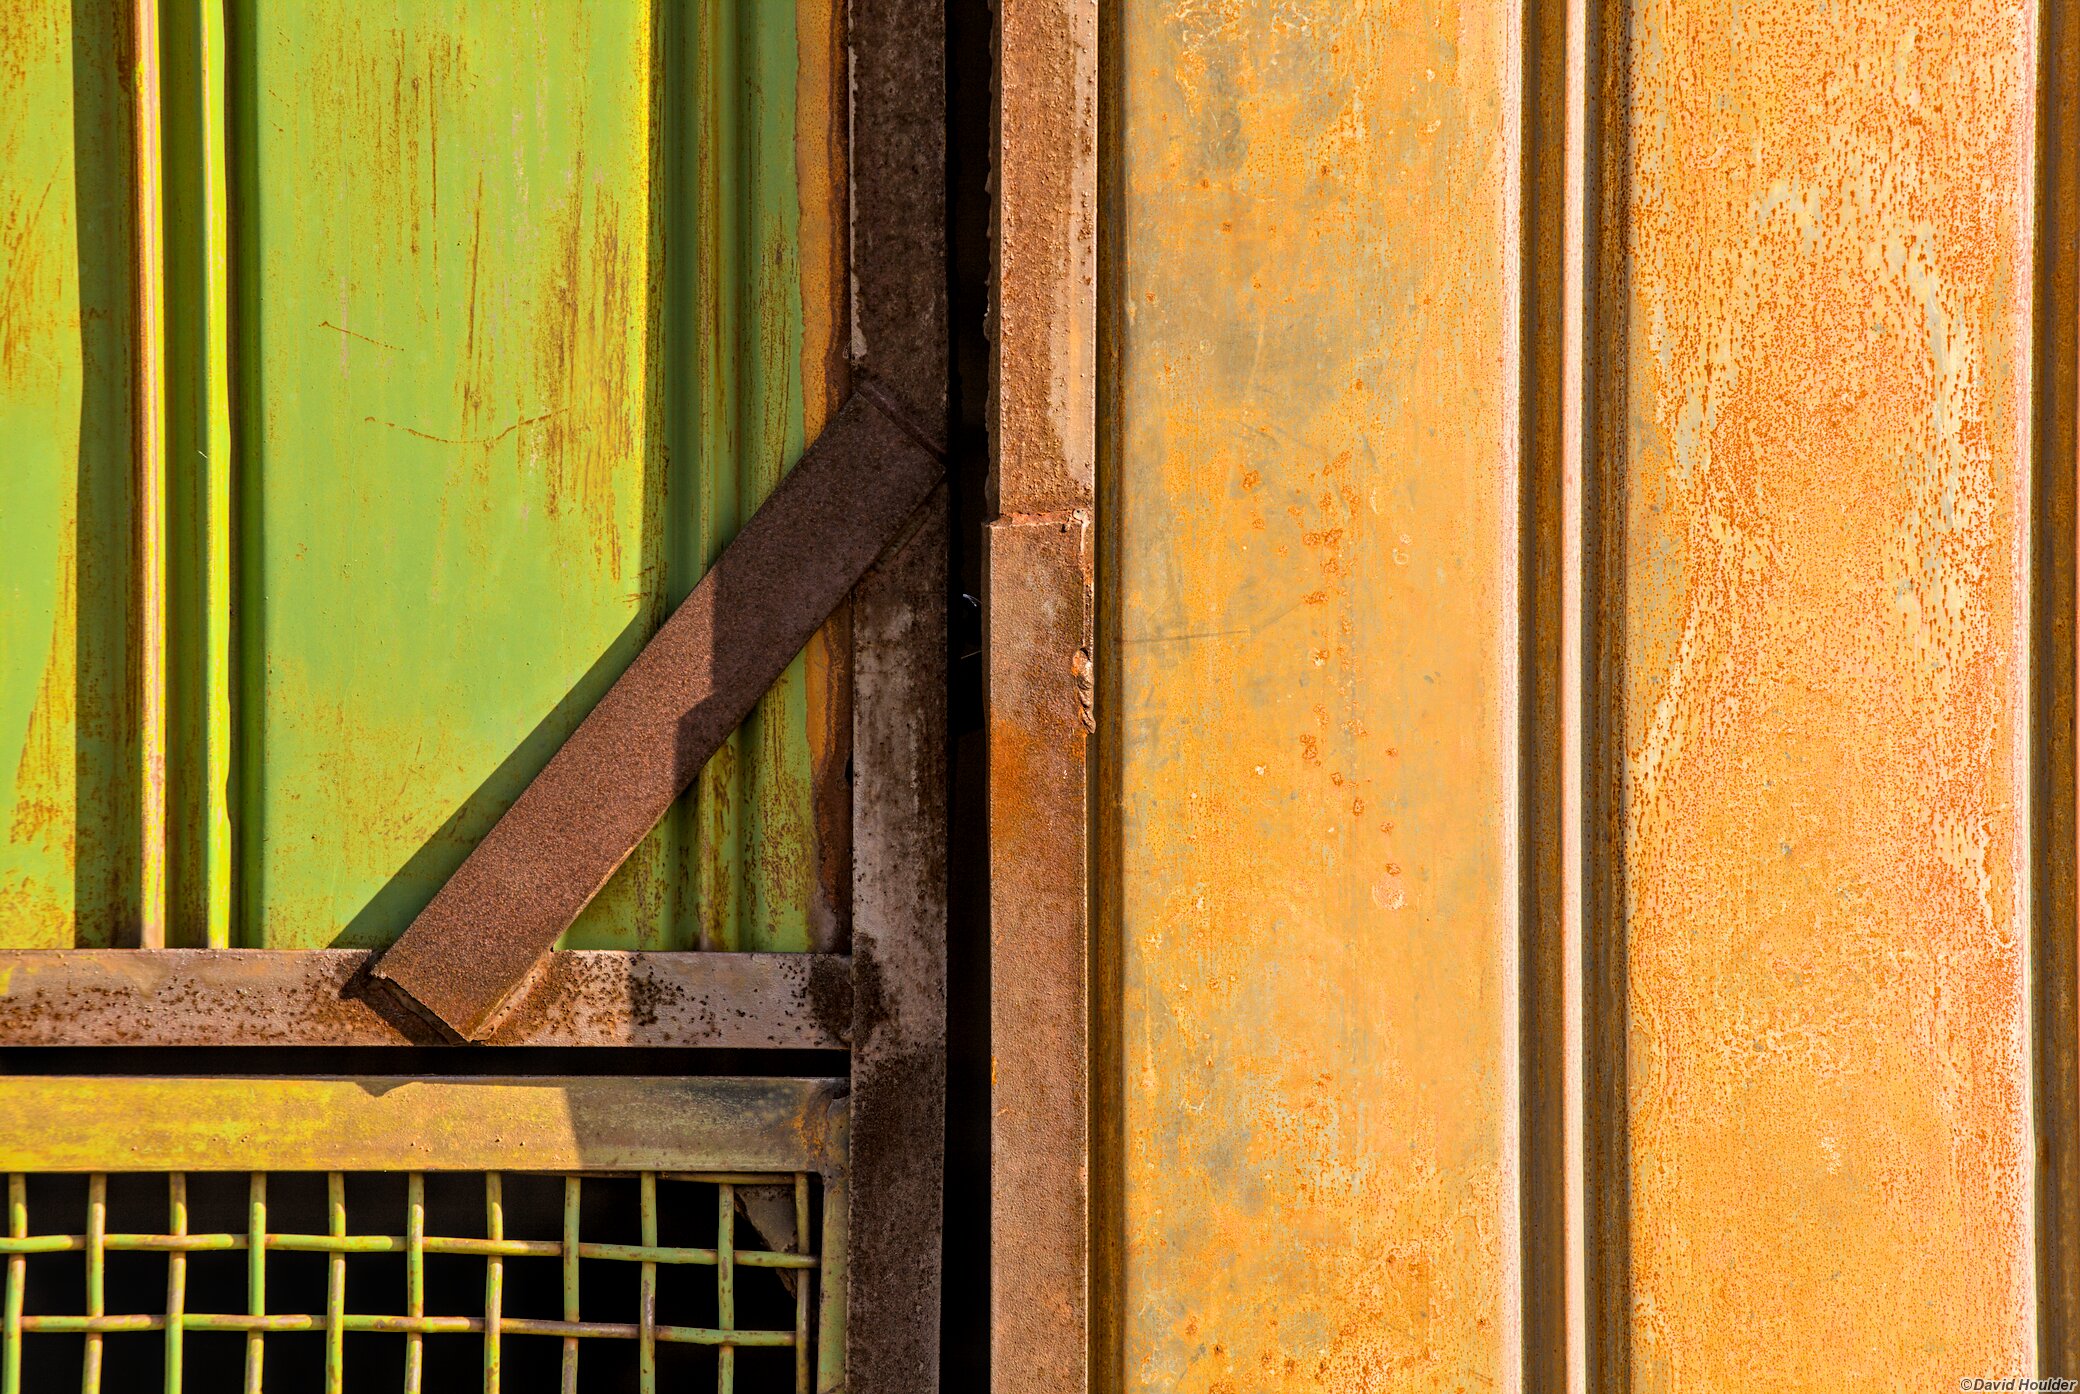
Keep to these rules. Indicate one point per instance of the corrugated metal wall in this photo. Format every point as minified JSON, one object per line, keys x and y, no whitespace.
{"x":485,"y":327}
{"x":1588,"y":613}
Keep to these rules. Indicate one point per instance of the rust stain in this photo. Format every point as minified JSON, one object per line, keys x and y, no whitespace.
{"x":28,"y":286}
{"x":328,"y":324}
{"x":45,"y":782}
{"x":819,"y":162}
{"x":1045,"y":290}
{"x":492,"y":439}
{"x":1825,"y":692}
{"x":590,"y":331}
{"x":71,"y":783}
{"x":820,"y":252}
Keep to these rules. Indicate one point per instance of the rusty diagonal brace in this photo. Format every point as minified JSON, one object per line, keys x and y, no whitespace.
{"x":475,"y":948}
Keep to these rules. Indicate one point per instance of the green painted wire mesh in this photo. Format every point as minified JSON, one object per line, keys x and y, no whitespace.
{"x":617,"y":1276}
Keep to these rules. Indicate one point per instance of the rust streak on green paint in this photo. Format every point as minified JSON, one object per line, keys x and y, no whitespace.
{"x":70,"y":785}
{"x":524,"y":328}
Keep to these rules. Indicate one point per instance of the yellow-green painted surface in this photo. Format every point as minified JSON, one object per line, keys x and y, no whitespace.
{"x":488,"y":325}
{"x":317,"y":1124}
{"x":69,"y":787}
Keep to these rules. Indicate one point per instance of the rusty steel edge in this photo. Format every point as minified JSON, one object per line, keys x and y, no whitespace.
{"x":1038,"y":600}
{"x":899,"y":963}
{"x":262,"y":997}
{"x":2055,"y":443}
{"x":1037,"y":584}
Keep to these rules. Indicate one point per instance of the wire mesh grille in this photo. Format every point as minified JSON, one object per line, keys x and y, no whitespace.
{"x":744,"y":1291}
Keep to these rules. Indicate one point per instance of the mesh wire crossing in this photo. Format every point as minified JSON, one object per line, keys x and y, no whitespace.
{"x":801,"y":1269}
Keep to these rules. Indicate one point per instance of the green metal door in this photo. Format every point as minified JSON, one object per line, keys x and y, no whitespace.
{"x":374,"y":381}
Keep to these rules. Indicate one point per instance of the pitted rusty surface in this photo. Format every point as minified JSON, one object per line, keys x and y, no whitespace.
{"x":1046,"y":286}
{"x":1824,"y":691}
{"x":897,"y":84}
{"x":897,"y":81}
{"x":805,"y":548}
{"x":1316,"y":576}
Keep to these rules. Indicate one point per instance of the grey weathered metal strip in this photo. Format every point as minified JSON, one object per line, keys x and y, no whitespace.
{"x":899,"y":953}
{"x":266,"y":997}
{"x":488,"y":929}
{"x":897,"y":83}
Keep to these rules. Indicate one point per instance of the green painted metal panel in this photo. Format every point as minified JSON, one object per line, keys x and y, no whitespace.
{"x":487,"y":327}
{"x":69,"y":774}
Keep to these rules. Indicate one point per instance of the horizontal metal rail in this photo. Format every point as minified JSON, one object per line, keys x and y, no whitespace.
{"x":272,"y":997}
{"x":394,"y":1244}
{"x":675,"y":1124}
{"x":422,"y":1326}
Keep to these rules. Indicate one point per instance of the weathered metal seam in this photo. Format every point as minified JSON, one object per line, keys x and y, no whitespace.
{"x":1541,"y":743}
{"x":1105,"y":1044}
{"x":1598,"y":70}
{"x":218,"y":731}
{"x":1576,"y":416}
{"x":2055,"y":436}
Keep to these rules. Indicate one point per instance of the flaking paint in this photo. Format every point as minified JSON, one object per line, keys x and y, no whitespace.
{"x":1824,"y":692}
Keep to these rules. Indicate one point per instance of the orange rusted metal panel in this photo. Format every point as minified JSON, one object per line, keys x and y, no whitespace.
{"x":1748,"y":555}
{"x":1315,"y":578}
{"x":1819,"y":345}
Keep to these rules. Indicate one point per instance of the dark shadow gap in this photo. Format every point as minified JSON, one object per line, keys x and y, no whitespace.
{"x":964,"y":1308}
